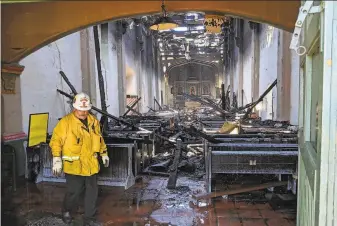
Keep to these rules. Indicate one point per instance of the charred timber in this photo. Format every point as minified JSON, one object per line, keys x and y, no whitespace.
{"x":260,"y":99}
{"x":132,"y":106}
{"x":198,"y":99}
{"x":65,"y":78}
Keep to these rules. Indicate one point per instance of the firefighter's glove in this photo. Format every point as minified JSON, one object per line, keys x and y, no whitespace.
{"x":57,"y":166}
{"x":105,"y":160}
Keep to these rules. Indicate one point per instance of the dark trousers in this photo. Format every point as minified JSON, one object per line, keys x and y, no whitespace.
{"x":75,"y":186}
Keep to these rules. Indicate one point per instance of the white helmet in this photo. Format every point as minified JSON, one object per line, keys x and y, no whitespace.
{"x":82,"y":102}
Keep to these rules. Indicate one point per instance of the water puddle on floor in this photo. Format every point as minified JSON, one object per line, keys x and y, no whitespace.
{"x":148,"y":203}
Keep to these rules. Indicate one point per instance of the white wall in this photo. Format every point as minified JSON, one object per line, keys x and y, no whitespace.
{"x":75,"y":55}
{"x":295,"y":88}
{"x":130,"y":62}
{"x":276,"y":61}
{"x":247,"y":64}
{"x":41,"y":78}
{"x":269,"y":37}
{"x":110,"y":68}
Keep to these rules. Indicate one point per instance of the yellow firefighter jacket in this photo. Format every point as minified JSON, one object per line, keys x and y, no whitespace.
{"x":78,"y":145}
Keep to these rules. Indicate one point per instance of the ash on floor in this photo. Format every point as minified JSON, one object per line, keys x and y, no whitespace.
{"x":146,"y":203}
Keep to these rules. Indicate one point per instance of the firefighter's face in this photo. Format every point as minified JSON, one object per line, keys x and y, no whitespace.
{"x":81,"y":114}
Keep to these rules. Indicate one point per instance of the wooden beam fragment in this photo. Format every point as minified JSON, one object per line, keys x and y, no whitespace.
{"x":241,"y":190}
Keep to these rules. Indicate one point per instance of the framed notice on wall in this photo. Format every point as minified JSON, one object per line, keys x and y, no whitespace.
{"x":38,"y":129}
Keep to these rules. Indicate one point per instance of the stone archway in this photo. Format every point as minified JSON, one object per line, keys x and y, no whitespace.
{"x":27,"y":27}
{"x":181,"y":62}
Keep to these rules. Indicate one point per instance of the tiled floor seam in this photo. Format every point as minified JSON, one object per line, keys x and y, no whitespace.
{"x":264,"y":219}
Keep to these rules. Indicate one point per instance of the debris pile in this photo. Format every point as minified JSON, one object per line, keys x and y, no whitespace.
{"x":178,"y":136}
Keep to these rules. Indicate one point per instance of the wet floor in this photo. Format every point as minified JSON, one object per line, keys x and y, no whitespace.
{"x":147,"y":203}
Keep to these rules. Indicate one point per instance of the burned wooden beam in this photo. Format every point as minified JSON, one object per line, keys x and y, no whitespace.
{"x":134,"y":111}
{"x":155,"y":100}
{"x":161,"y":167}
{"x":65,"y":78}
{"x":210,"y":101}
{"x":223,"y":97}
{"x":132,"y":106}
{"x":198,"y":99}
{"x":104,"y":113}
{"x":260,"y":99}
{"x":193,"y":131}
{"x":151,"y":109}
{"x":174,"y":144}
{"x":99,"y":69}
{"x":240,"y":190}
{"x":172,"y":181}
{"x":154,"y":173}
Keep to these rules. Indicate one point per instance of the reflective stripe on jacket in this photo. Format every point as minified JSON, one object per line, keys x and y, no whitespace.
{"x":78,"y":146}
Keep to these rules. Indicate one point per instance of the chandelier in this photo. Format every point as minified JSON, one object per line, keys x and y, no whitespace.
{"x":163,"y":22}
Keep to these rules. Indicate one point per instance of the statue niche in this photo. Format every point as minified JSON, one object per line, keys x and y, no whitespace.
{"x":180,"y":90}
{"x":192,"y":90}
{"x":205,"y":89}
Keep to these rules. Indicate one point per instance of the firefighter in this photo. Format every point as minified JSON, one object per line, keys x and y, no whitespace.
{"x":75,"y":145}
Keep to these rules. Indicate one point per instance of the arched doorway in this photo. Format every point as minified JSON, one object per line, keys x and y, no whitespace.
{"x":27,"y":27}
{"x":193,"y":77}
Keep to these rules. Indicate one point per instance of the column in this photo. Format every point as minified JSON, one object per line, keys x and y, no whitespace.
{"x":11,"y":113}
{"x":120,"y":67}
{"x":283,"y":77}
{"x":110,"y":67}
{"x":88,"y":65}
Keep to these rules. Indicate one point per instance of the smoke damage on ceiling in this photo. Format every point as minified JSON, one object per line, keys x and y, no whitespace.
{"x":193,"y":36}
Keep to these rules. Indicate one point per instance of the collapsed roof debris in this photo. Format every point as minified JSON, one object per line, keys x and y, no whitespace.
{"x":183,"y":141}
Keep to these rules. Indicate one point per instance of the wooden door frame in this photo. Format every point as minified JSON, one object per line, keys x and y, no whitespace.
{"x":323,"y":210}
{"x":328,"y":155}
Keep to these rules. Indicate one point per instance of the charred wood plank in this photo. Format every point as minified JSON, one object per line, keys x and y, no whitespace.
{"x":154,"y":173}
{"x":172,"y":181}
{"x":134,"y":111}
{"x":155,"y":100}
{"x":160,"y":167}
{"x":223,"y":97}
{"x":151,"y":109}
{"x":260,"y":99}
{"x":193,"y":131}
{"x":241,"y":190}
{"x":132,"y":106}
{"x":198,"y":99}
{"x":99,"y":69}
{"x":65,"y":78}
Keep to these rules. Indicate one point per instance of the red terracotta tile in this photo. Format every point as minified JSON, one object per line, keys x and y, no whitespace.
{"x":271,"y":214}
{"x":244,"y":205}
{"x":249,"y":214}
{"x":226,"y":213}
{"x":254,"y":222}
{"x":261,"y":206}
{"x":292,"y":222}
{"x":229,"y":221}
{"x":209,"y":222}
{"x":224,"y":205}
{"x":278,"y":222}
{"x":290,"y":216}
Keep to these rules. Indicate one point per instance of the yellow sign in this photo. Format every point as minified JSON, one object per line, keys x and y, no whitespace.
{"x":38,"y":128}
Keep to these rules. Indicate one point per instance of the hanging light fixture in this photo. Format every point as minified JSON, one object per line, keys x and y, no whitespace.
{"x":163,"y":22}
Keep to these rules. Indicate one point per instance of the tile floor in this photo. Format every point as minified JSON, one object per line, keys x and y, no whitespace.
{"x":147,"y":203}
